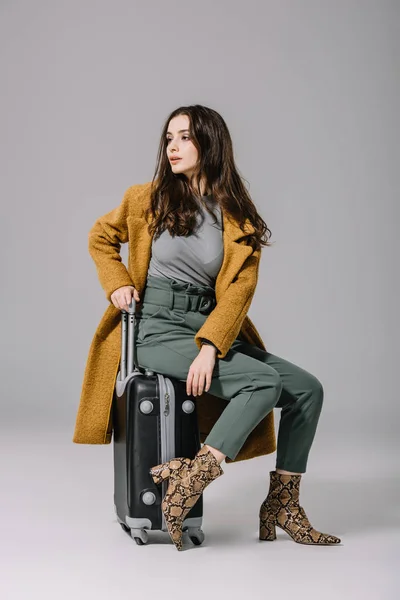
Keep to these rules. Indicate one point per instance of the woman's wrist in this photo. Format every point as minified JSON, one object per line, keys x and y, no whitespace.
{"x":208,"y":344}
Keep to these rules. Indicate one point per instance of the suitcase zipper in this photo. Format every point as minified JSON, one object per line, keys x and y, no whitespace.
{"x":167,"y":426}
{"x":166,"y":410}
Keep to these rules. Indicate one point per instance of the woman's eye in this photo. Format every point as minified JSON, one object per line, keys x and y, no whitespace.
{"x":184,"y":137}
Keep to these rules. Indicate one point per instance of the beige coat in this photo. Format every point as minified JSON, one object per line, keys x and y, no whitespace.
{"x":234,"y":288}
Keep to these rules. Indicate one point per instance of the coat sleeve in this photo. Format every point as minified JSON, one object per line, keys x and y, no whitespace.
{"x":105,"y":239}
{"x":205,"y":342}
{"x":224,"y":323}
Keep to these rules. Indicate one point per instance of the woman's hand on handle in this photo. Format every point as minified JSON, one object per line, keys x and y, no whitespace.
{"x":122,"y":297}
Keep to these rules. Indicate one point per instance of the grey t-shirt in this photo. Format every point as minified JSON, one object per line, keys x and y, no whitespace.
{"x":197,"y":258}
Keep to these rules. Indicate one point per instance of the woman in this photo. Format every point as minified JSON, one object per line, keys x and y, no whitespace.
{"x":180,"y":331}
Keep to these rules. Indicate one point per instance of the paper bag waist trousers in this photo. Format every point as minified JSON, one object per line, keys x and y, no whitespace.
{"x":252,"y":380}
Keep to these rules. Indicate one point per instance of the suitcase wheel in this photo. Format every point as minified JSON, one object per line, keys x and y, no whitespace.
{"x":138,"y":541}
{"x":196,"y":535}
{"x":139,"y":535}
{"x":196,"y":540}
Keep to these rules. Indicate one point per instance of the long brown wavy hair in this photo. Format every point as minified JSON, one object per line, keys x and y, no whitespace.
{"x":173,"y":196}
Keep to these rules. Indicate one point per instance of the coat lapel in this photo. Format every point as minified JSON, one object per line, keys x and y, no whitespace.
{"x":235,"y":253}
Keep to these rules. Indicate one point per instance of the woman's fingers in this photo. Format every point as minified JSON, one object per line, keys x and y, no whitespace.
{"x":200,"y":374}
{"x":128,"y":298}
{"x":189,"y":382}
{"x":202,"y":379}
{"x":197,"y":382}
{"x":122,"y":297}
{"x":192,"y":382}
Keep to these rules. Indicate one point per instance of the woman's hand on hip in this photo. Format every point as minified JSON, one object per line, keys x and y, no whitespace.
{"x":201,"y":370}
{"x":122,"y":297}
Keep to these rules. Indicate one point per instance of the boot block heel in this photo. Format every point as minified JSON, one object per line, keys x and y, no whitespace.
{"x":267,"y":530}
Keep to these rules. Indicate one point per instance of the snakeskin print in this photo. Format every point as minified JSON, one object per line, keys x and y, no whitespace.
{"x":281,"y":508}
{"x":187,"y":480}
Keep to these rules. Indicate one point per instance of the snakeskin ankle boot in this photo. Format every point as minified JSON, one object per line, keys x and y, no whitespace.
{"x":187,"y":480}
{"x":281,"y":508}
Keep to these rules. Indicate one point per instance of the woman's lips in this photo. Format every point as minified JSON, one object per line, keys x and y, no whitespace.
{"x":174,"y":160}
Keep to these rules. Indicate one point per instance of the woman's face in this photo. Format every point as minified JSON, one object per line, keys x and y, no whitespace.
{"x":180,"y":145}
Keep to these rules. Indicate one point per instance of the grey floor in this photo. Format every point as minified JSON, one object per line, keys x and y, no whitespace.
{"x":60,"y":538}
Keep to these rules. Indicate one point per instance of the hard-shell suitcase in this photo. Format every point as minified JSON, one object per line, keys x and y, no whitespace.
{"x":154,"y":420}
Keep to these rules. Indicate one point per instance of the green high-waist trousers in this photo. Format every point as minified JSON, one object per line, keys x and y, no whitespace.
{"x":252,"y":380}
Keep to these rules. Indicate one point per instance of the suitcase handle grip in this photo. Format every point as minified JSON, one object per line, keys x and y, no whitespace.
{"x":128,"y":341}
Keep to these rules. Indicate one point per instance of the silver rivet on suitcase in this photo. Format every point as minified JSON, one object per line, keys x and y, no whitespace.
{"x":148,"y":498}
{"x":146,"y":407}
{"x":188,"y":406}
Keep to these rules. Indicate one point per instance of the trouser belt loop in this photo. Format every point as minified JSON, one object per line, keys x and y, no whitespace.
{"x":197,"y":303}
{"x":171,"y":299}
{"x":187,"y":305}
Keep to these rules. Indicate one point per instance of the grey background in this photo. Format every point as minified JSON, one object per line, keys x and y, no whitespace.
{"x":310,"y":92}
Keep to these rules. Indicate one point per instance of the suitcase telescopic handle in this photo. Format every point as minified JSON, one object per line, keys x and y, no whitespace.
{"x":128,"y":341}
